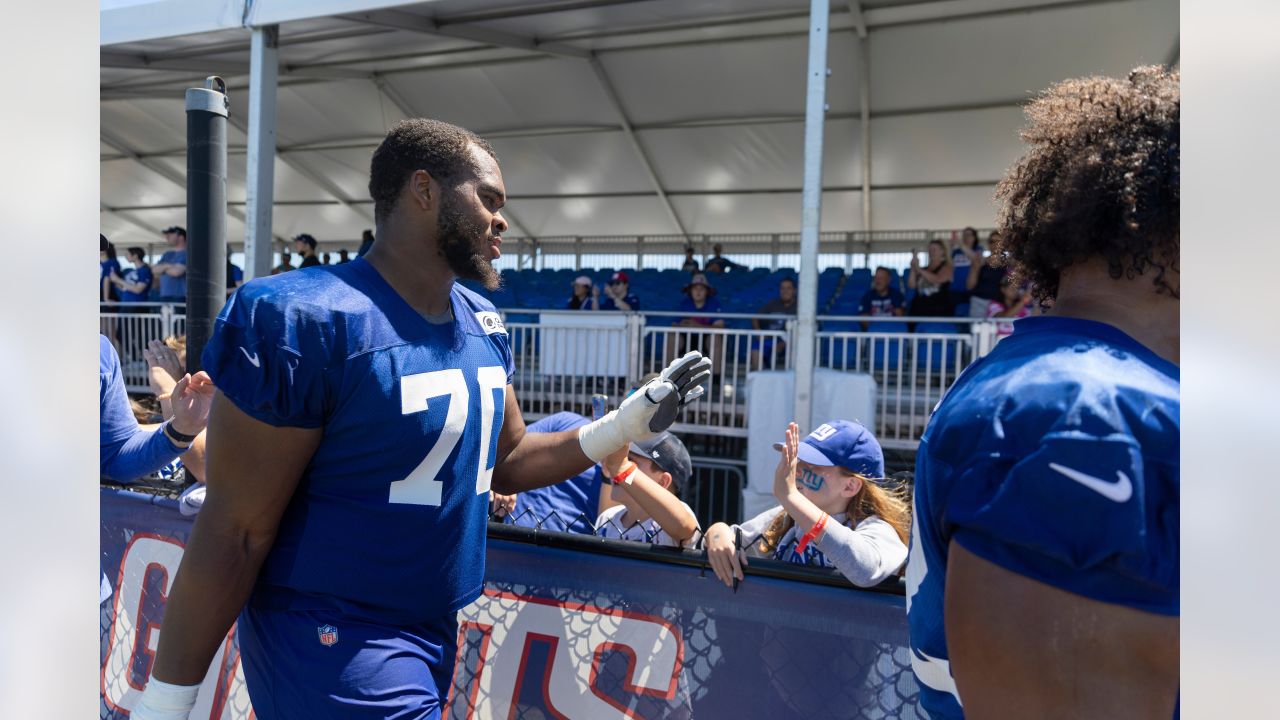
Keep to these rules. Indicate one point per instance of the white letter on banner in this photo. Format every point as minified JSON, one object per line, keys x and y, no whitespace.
{"x":581,"y":634}
{"x":153,"y":553}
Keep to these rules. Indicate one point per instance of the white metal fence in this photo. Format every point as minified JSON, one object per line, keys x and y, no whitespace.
{"x":130,"y":326}
{"x":560,"y":364}
{"x":912,"y":365}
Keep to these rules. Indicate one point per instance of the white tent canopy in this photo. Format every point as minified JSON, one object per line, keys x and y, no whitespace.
{"x":705,"y":136}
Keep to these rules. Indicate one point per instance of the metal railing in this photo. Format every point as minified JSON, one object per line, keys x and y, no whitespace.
{"x":734,"y":353}
{"x":912,"y":369}
{"x":130,"y":326}
{"x":563,"y":357}
{"x":714,"y":490}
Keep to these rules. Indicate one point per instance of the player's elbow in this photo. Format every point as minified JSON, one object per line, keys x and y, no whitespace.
{"x":503,"y":483}
{"x":248,"y":537}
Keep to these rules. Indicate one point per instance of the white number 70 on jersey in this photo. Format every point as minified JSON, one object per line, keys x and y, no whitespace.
{"x":424,"y":486}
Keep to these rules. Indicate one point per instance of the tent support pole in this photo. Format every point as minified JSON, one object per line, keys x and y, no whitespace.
{"x":261,"y":159}
{"x":811,"y":212}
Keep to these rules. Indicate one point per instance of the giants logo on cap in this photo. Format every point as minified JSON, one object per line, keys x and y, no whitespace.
{"x":491,"y":322}
{"x":823,"y":432}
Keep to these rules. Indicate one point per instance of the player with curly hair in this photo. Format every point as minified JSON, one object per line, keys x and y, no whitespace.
{"x":1042,"y":579}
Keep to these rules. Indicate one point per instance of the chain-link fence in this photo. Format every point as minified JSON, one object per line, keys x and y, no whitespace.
{"x":572,"y":626}
{"x":655,"y":635}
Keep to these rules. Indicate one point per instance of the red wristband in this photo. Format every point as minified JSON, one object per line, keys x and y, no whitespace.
{"x":813,"y":533}
{"x":626,"y":473}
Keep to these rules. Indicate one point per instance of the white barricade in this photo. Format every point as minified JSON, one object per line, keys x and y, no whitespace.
{"x":771,"y":400}
{"x":584,"y":343}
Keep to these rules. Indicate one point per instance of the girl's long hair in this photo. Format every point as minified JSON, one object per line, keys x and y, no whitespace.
{"x":890,"y":504}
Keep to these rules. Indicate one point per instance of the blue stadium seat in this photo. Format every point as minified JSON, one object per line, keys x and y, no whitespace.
{"x":884,"y":351}
{"x":935,"y":352}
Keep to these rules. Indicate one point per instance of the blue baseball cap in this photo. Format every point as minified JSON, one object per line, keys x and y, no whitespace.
{"x":842,"y":443}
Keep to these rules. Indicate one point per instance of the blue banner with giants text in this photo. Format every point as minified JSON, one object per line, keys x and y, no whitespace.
{"x":567,"y":633}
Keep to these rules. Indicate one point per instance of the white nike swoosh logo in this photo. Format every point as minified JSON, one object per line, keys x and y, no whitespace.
{"x":1119,"y":491}
{"x":253,"y":359}
{"x":934,"y":673}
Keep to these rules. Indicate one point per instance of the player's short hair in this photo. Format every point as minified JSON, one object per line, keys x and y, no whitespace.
{"x":1101,"y":180}
{"x":418,"y":144}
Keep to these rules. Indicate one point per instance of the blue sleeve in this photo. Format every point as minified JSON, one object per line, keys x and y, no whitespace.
{"x":864,"y":305}
{"x":126,"y":451}
{"x":896,"y":298}
{"x":270,"y":357}
{"x":558,"y":422}
{"x":144,"y":275}
{"x":634,"y":302}
{"x":1075,"y":514}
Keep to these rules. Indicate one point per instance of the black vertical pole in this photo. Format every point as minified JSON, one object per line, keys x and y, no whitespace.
{"x":206,"y":213}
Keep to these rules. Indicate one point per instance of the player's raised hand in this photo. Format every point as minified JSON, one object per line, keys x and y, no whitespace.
{"x":649,"y":410}
{"x":677,"y":386}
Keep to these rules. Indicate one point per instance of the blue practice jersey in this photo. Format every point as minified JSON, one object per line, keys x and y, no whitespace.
{"x":1056,"y":457}
{"x":389,"y":517}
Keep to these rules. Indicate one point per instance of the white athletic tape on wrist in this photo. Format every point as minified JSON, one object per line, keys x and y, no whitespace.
{"x":165,"y":701}
{"x":603,"y":437}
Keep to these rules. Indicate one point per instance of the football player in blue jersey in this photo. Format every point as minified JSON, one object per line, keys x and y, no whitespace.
{"x":364,"y":412}
{"x":1042,"y":580}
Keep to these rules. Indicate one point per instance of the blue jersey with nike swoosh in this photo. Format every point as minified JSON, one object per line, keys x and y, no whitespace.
{"x":1056,"y":456}
{"x":388,"y":520}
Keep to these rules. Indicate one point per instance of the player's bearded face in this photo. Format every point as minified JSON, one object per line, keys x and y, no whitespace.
{"x":465,"y":243}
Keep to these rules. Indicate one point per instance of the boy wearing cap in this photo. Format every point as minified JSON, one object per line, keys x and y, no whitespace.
{"x":586,"y":296}
{"x":618,"y":294}
{"x":838,"y":516}
{"x":647,"y":480}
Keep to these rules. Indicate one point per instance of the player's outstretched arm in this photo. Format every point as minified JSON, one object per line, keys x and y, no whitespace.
{"x":1021,"y":648}
{"x":253,"y":469}
{"x":527,"y":461}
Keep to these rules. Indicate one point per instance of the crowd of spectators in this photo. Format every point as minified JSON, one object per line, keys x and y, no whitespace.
{"x":616,"y":294}
{"x":166,"y":279}
{"x":836,"y":509}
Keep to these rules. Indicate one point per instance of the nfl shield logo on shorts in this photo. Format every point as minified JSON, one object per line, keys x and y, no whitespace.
{"x":328,"y":635}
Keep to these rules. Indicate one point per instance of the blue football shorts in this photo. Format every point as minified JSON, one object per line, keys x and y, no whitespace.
{"x":322,"y":664}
